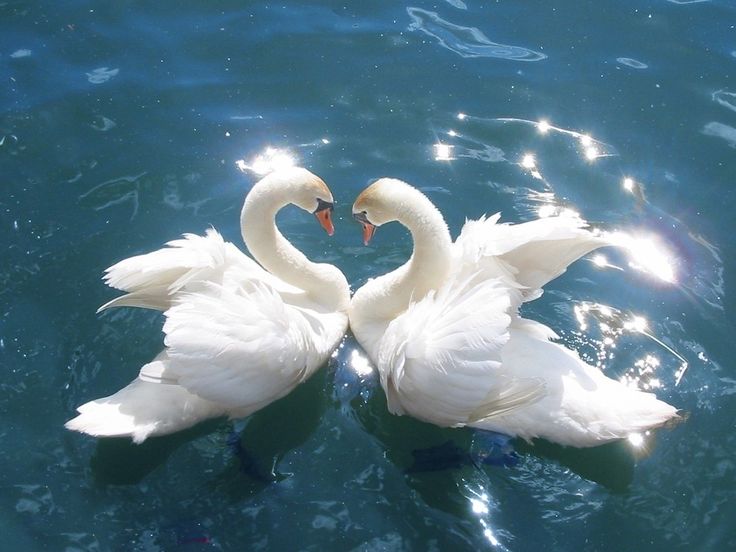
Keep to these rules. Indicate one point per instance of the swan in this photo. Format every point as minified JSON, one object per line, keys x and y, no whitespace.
{"x":239,"y":334}
{"x":449,"y":345}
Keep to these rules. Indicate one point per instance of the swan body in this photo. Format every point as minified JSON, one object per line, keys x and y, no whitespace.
{"x":450,"y":347}
{"x":239,"y":334}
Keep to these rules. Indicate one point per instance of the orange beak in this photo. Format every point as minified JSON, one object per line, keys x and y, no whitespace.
{"x":324,"y":216}
{"x":368,"y":231}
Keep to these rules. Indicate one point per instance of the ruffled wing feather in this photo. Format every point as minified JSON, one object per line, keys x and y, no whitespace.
{"x":534,"y":252}
{"x":239,"y":347}
{"x":153,"y":279}
{"x":440,"y":360}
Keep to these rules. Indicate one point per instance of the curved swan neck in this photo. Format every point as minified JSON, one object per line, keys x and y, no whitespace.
{"x":430,"y":262}
{"x":276,"y":254}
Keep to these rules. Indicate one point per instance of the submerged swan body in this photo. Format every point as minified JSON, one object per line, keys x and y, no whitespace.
{"x":448,"y":342}
{"x":239,"y":334}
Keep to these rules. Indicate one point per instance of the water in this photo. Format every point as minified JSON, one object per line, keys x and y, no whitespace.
{"x":120,"y":128}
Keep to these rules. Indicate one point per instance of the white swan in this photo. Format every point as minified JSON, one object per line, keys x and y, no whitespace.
{"x":449,"y":345}
{"x":238,"y":335}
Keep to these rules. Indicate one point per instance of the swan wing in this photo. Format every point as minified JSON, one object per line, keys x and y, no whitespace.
{"x":440,"y":360}
{"x":152,"y":279}
{"x":243,"y":347}
{"x":535,"y":252}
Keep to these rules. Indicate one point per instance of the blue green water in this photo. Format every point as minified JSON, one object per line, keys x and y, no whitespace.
{"x":121,"y":125}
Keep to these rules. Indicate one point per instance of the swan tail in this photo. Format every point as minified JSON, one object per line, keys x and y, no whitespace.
{"x":583,"y":407}
{"x":103,"y":418}
{"x":143,"y":409}
{"x":637,"y":413}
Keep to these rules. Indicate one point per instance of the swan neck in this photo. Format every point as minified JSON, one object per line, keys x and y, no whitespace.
{"x":429,"y":265}
{"x":428,"y":268}
{"x":323,"y":282}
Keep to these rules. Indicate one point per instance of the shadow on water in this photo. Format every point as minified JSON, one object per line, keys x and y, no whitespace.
{"x":255,"y":450}
{"x":611,"y":465}
{"x":119,"y":461}
{"x":269,"y":435}
{"x":432,"y":457}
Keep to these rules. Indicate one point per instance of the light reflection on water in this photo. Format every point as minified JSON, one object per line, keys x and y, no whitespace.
{"x":481,"y":506}
{"x":656,"y":244}
{"x":612,"y":325}
{"x":270,"y":160}
{"x":647,"y":254}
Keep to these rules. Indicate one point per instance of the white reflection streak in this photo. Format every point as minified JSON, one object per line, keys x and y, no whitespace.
{"x":601,"y":261}
{"x":592,"y":148}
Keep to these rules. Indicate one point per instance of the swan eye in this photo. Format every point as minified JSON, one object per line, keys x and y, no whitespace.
{"x":362,"y":217}
{"x":322,"y":205}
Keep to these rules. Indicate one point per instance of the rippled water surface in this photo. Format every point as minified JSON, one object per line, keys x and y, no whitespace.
{"x":125,"y":124}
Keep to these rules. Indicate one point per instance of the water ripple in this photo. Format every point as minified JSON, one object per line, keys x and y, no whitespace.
{"x":725,"y":98}
{"x":467,"y":42}
{"x":459,"y":4}
{"x":719,"y":130}
{"x":631,"y":62}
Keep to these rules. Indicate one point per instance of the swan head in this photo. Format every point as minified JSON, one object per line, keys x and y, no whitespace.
{"x":307,"y":191}
{"x":378,"y":204}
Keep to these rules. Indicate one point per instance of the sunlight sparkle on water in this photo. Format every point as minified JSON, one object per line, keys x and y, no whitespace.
{"x":636,"y":324}
{"x":591,"y":152}
{"x":647,"y":254}
{"x":543,"y":127}
{"x":270,"y":160}
{"x":636,"y":439}
{"x":478,"y":506}
{"x":359,"y":363}
{"x":547,"y":211}
{"x":528,"y":161}
{"x":461,"y":116}
{"x":443,"y":152}
{"x":628,"y":184}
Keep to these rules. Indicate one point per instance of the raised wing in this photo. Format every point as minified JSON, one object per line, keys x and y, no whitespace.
{"x":242,"y":348}
{"x":152,"y":280}
{"x":535,"y":252}
{"x":440,"y":360}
